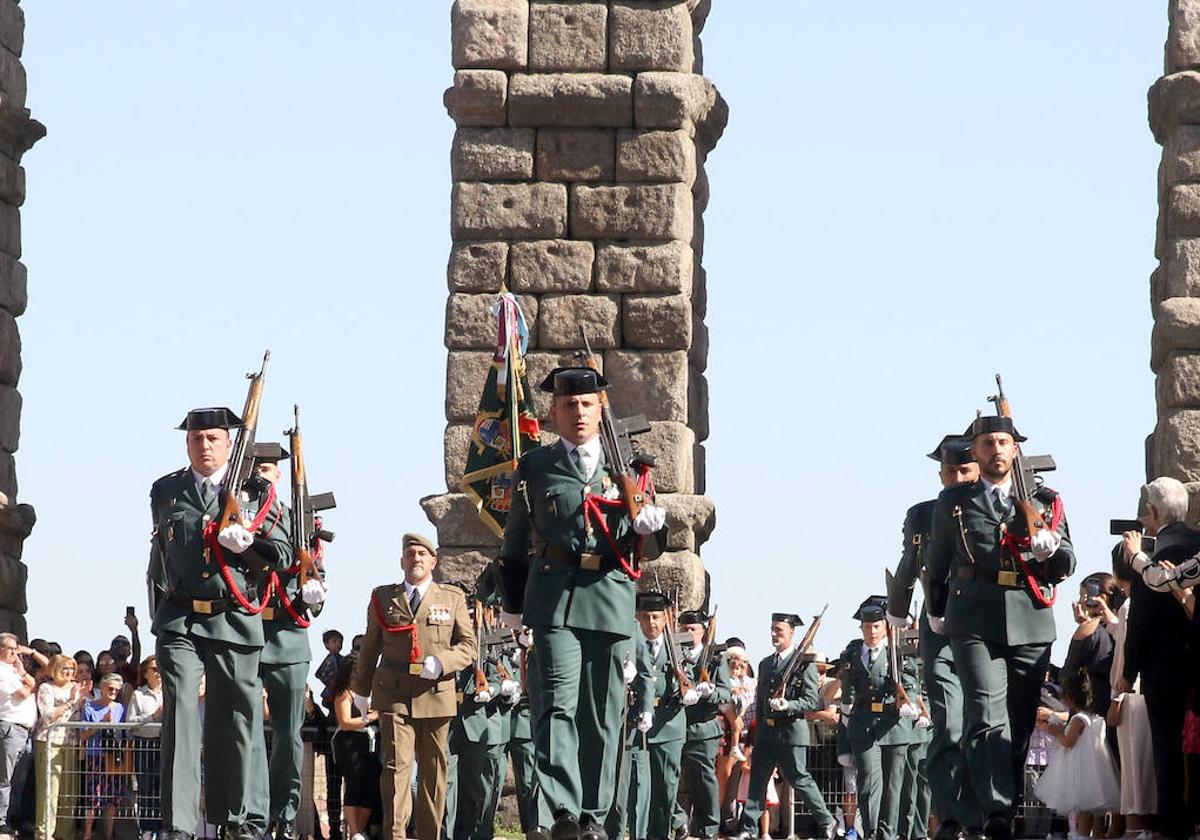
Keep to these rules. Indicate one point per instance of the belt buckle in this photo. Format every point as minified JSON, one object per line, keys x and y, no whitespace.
{"x":590,"y":561}
{"x":1006,"y":578}
{"x":458,"y":698}
{"x":877,"y":708}
{"x":416,"y":668}
{"x":770,"y":721}
{"x":268,"y":613}
{"x":202,"y":607}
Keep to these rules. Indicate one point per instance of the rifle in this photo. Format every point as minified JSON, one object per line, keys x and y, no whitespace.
{"x":1023,"y":473}
{"x":307,"y":532}
{"x":481,"y":680}
{"x":706,"y":647}
{"x":615,"y":441}
{"x":798,"y":658}
{"x":241,"y":457}
{"x":896,"y":675}
{"x":681,"y":677}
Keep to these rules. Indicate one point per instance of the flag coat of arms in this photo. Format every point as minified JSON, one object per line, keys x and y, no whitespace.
{"x":505,"y":426}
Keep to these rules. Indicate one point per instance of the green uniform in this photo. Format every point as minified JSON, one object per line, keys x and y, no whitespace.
{"x":915,"y":797}
{"x":698,"y":780}
{"x":946,"y":765}
{"x":630,"y":813}
{"x":283,"y":669}
{"x":478,"y":738}
{"x":781,"y":740}
{"x":664,"y":747}
{"x":530,"y":804}
{"x":1000,"y":633}
{"x":200,"y":631}
{"x":879,"y":737}
{"x":561,"y":573}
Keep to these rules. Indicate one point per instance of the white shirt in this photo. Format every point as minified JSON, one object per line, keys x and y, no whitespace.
{"x":867,"y":651}
{"x":655,"y":645}
{"x":589,"y":454}
{"x":217,"y":478}
{"x":21,"y":710}
{"x":142,"y":706}
{"x":423,"y":588}
{"x":1005,"y":488}
{"x":781,"y":655}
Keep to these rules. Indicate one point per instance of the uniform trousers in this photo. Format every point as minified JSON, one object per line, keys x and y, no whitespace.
{"x":277,"y":780}
{"x":880,"y":769}
{"x":946,"y":764}
{"x":1001,"y":687}
{"x":520,"y":750}
{"x":914,"y":801}
{"x":664,"y":784}
{"x":479,"y":778}
{"x":698,"y":787}
{"x":631,"y":813}
{"x":405,"y":738}
{"x":233,"y":699}
{"x":792,"y":762}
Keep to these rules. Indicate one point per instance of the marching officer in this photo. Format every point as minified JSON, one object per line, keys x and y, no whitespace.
{"x":698,"y":764}
{"x":781,"y":736}
{"x":283,"y":669}
{"x":565,"y":565}
{"x":418,"y":635}
{"x":879,"y":729}
{"x":991,"y":587}
{"x":631,"y":806}
{"x":520,"y":740}
{"x":946,"y":766}
{"x":202,"y":597}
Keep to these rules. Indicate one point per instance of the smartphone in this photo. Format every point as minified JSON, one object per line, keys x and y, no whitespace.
{"x":129,"y":611}
{"x":1093,"y":594}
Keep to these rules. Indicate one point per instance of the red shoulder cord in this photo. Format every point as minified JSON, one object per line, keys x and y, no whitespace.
{"x":1015,"y":546}
{"x":210,"y":540}
{"x":318,"y":562}
{"x":414,"y":654}
{"x":593,"y":506}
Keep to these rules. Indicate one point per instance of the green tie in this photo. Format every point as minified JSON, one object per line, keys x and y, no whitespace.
{"x":206,"y":492}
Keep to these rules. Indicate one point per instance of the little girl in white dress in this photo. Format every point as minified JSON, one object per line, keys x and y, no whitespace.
{"x":1081,"y":778}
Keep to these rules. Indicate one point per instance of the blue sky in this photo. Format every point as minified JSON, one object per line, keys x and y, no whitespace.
{"x":907,"y":199}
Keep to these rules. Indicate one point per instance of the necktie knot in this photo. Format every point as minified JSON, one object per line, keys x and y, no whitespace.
{"x":1001,"y":499}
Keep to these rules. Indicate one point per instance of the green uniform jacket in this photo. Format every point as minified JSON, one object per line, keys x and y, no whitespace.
{"x":963,"y":562}
{"x":864,"y":685}
{"x":787,"y":726}
{"x":178,"y":565}
{"x":286,"y":642}
{"x":547,"y":509}
{"x":918,"y":523}
{"x":670,"y":722}
{"x":702,"y":723}
{"x":481,"y":723}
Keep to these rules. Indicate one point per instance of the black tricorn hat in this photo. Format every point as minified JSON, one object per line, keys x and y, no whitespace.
{"x":651,"y":601}
{"x":988,"y":423}
{"x":954,"y":449}
{"x":693,"y":617}
{"x":871,"y":609}
{"x":209,"y":418}
{"x":569,"y":381}
{"x":268,"y":452}
{"x":789,"y":618}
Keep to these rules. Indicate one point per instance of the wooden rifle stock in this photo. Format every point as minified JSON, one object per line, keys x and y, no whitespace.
{"x":681,"y":677}
{"x":301,"y":515}
{"x":709,"y":633}
{"x":241,"y":458}
{"x":1029,"y":516}
{"x":798,"y":657}
{"x":896,"y":672}
{"x":626,"y":481}
{"x":481,"y":682}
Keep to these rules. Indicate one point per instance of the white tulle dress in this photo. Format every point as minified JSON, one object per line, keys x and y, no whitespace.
{"x":1084,"y":777}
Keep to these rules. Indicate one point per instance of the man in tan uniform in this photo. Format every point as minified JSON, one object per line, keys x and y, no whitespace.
{"x":424,"y":633}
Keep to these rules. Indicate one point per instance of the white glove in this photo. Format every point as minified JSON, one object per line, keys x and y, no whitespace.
{"x":628,"y":671}
{"x":432,"y":668}
{"x":845,"y":708}
{"x":910,"y":711}
{"x":778,"y":704}
{"x":524,"y":637}
{"x":510,"y":621}
{"x":510,"y":689}
{"x":1044,"y":543}
{"x":313,"y":591}
{"x":645,"y":721}
{"x":704,"y":689}
{"x":690,"y":697}
{"x":937,"y":625}
{"x":650,"y":519}
{"x":612,"y":492}
{"x":485,"y":696}
{"x":235,"y":537}
{"x":923,"y":722}
{"x":898,"y":623}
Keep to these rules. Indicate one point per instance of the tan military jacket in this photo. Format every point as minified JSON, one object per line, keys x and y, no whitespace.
{"x":443,"y":629}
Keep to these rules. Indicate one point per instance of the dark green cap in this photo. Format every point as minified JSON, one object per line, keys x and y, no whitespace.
{"x":954,"y":449}
{"x":209,"y":418}
{"x":569,"y":381}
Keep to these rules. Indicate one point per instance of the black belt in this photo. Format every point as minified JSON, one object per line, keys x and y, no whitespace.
{"x":203,"y":606}
{"x":1002,"y":577}
{"x":592,"y":561}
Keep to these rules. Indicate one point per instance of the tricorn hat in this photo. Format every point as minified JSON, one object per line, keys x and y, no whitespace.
{"x":988,"y":423}
{"x":954,"y":449}
{"x":652,"y":601}
{"x":569,"y":381}
{"x":872,"y":609}
{"x":209,"y":418}
{"x":268,"y":452}
{"x":788,"y":618}
{"x":693,"y":617}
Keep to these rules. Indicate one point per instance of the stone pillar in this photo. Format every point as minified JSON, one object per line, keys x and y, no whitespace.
{"x":578,"y":169}
{"x":18,"y":132}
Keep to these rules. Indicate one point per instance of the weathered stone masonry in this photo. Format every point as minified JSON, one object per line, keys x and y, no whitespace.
{"x":578,"y":169}
{"x":18,"y":132}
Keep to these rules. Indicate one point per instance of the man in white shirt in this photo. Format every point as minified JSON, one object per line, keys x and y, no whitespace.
{"x":18,"y":713}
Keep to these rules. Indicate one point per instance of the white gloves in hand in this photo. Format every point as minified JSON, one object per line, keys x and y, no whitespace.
{"x":525,"y":637}
{"x":1044,"y":543}
{"x":923,"y":722}
{"x":690,"y":697}
{"x":235,"y":537}
{"x":432,"y":668}
{"x":510,"y":621}
{"x":910,"y":711}
{"x":509,"y":689}
{"x":313,"y":591}
{"x":650,"y":519}
{"x":628,"y":671}
{"x":645,"y":721}
{"x":704,"y":689}
{"x":898,"y":623}
{"x":485,"y":696}
{"x":778,"y":704}
{"x":937,"y":625}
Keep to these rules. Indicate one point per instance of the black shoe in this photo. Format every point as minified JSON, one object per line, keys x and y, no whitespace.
{"x":176,"y":834}
{"x":591,"y":831}
{"x":681,"y":833}
{"x":566,"y":827}
{"x":948,"y":830}
{"x":286,"y":830}
{"x":998,"y":827}
{"x":242,"y":831}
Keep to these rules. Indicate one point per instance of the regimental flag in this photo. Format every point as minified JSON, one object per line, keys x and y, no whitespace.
{"x":505,"y":405}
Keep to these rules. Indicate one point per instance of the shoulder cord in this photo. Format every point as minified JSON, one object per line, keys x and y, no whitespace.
{"x":414,"y":654}
{"x":211,"y":542}
{"x":593,"y":507}
{"x":1015,"y":546}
